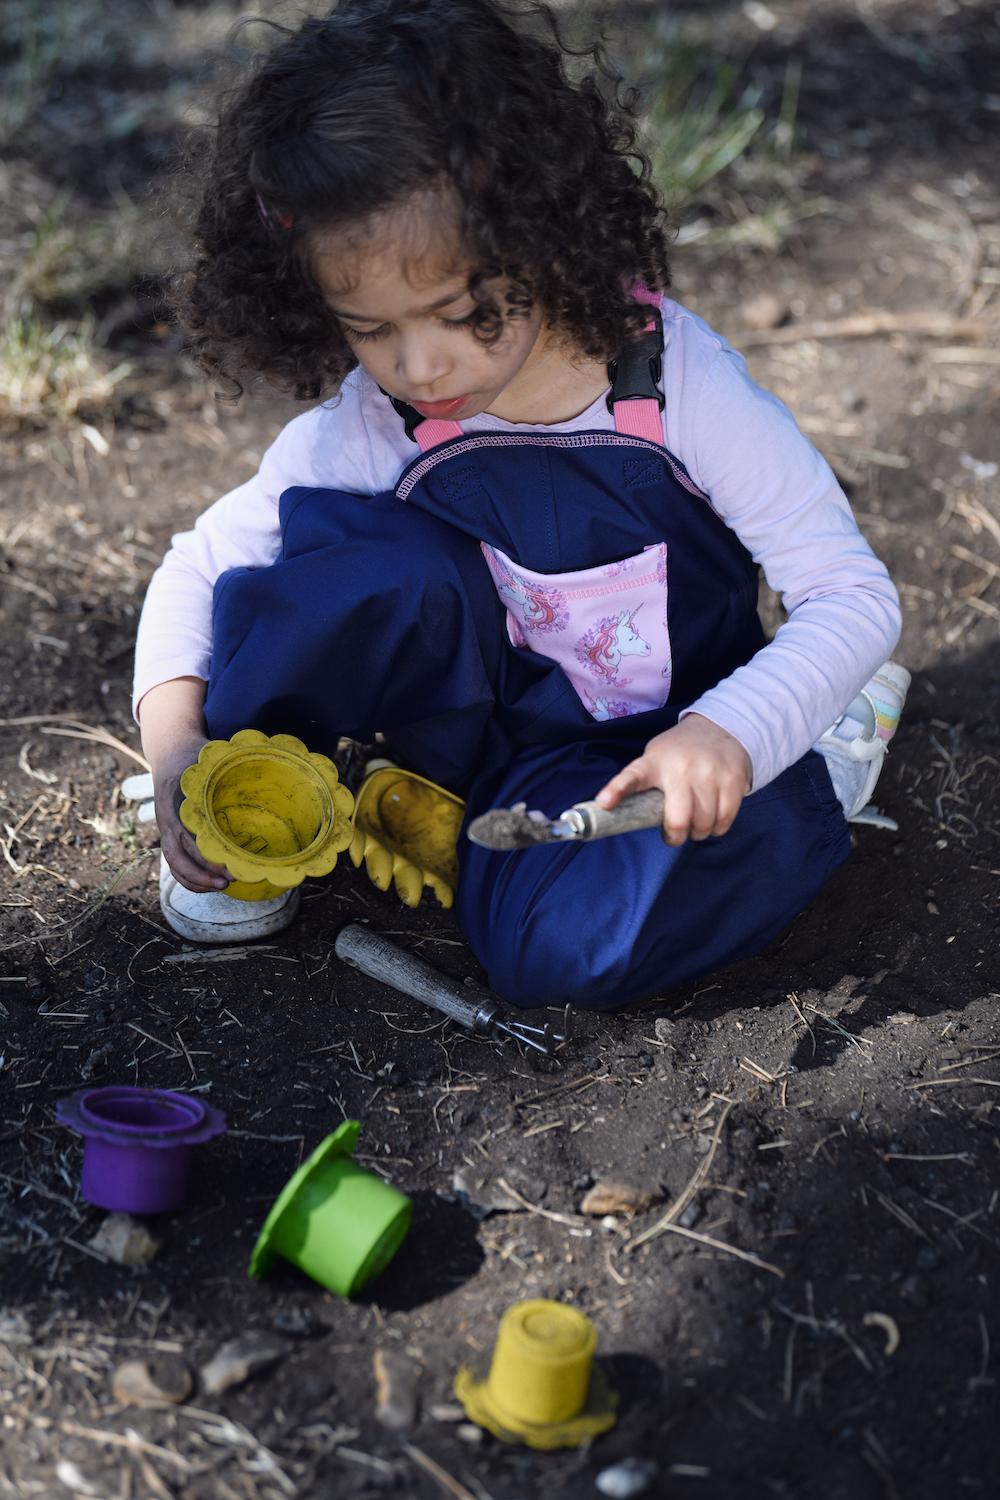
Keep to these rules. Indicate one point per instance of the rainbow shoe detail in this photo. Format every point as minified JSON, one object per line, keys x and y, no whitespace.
{"x":876,"y":709}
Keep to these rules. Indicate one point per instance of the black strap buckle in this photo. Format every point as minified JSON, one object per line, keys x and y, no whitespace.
{"x":636,"y":374}
{"x":411,"y":419}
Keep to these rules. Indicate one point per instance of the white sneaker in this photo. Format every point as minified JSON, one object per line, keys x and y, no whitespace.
{"x":863,"y":731}
{"x":209,"y":916}
{"x":213,"y":917}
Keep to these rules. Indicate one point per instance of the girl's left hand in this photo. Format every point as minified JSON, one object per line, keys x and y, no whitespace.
{"x":702,"y":771}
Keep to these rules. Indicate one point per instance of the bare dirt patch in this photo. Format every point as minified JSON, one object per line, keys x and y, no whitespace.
{"x":842,"y":1088}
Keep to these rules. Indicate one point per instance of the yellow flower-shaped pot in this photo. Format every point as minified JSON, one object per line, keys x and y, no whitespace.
{"x":543,"y":1388}
{"x":268,"y":809}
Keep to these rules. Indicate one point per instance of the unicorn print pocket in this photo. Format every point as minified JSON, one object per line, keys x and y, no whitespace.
{"x":606,"y":626}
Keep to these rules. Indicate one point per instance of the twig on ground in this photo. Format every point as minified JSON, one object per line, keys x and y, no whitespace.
{"x":574,"y":1221}
{"x":972,"y":1062}
{"x":216,"y":955}
{"x":694,"y":1184}
{"x":875,"y":1457}
{"x":90,"y":910}
{"x":859,"y":1042}
{"x":793,"y":1001}
{"x":447,"y":1481}
{"x":938,"y":1083}
{"x":755,"y":1070}
{"x":900,"y":1214}
{"x":714,"y":1244}
{"x":98,"y":1435}
{"x":76,"y":729}
{"x":867,"y":325}
{"x":962,"y":1156}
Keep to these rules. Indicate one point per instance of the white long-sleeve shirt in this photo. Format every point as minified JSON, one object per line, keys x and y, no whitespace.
{"x":739,"y":444}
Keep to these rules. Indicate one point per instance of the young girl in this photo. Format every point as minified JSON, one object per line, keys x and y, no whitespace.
{"x":520,"y":535}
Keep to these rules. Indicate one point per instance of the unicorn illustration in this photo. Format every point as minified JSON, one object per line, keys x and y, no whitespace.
{"x":608,"y":708}
{"x":534,"y":605}
{"x":602,"y":647}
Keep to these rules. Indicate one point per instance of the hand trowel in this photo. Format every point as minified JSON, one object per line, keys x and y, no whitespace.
{"x":517,"y":828}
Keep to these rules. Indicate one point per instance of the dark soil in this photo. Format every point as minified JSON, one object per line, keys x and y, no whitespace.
{"x":850,"y":1073}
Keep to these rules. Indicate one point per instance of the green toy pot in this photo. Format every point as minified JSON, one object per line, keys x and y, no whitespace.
{"x":338,"y":1223}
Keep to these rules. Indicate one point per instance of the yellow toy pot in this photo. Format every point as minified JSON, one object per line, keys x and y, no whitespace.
{"x":543,"y":1388}
{"x":268,"y":809}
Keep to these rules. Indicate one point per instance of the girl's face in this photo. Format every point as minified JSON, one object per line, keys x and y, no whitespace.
{"x":406,"y":312}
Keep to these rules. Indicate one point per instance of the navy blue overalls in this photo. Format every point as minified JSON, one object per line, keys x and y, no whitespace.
{"x":429,"y":613}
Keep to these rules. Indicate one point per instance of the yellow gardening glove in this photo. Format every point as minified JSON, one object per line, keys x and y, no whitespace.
{"x":406,"y":833}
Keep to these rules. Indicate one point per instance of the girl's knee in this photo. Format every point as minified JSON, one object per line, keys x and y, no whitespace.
{"x":568,"y":927}
{"x":554,"y":962}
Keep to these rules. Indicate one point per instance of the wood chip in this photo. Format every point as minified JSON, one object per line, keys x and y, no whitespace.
{"x":609,"y":1195}
{"x":238,"y":1359}
{"x":125,"y":1240}
{"x":396,"y":1380}
{"x":141,"y":1382}
{"x":888,"y":1326}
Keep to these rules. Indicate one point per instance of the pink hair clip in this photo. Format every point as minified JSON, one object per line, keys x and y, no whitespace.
{"x":272,"y":217}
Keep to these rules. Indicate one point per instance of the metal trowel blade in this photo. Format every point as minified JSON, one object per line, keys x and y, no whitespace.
{"x":514,"y":828}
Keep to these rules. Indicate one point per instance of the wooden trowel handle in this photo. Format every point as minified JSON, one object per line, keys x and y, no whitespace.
{"x":640,"y":810}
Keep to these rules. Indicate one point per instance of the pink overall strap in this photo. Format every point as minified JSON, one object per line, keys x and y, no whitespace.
{"x":639,"y":419}
{"x":431,"y":432}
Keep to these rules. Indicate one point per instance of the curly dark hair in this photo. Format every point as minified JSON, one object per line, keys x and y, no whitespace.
{"x":352,"y":114}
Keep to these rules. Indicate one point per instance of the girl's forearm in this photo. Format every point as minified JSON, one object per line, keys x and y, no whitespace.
{"x":171,"y":715}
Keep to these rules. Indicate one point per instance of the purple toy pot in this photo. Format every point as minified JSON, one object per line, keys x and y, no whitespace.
{"x":137,"y":1144}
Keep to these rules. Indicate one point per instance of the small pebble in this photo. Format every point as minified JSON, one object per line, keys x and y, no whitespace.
{"x":237,"y":1359}
{"x":446,"y":1413}
{"x":927,"y":1258}
{"x":142,"y":1382}
{"x":68,"y":1474}
{"x":759,"y":15}
{"x":469,"y":1433}
{"x":125,"y":1240}
{"x":611,"y":1196}
{"x":396,"y":1380}
{"x":689,"y":1218}
{"x":914,"y":1290}
{"x":299,"y":1322}
{"x":632,"y":1476}
{"x":14,"y":1328}
{"x":663,"y":1029}
{"x":93,"y":1062}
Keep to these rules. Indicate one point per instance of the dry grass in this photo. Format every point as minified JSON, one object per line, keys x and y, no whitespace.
{"x":728,"y":165}
{"x":51,"y":373}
